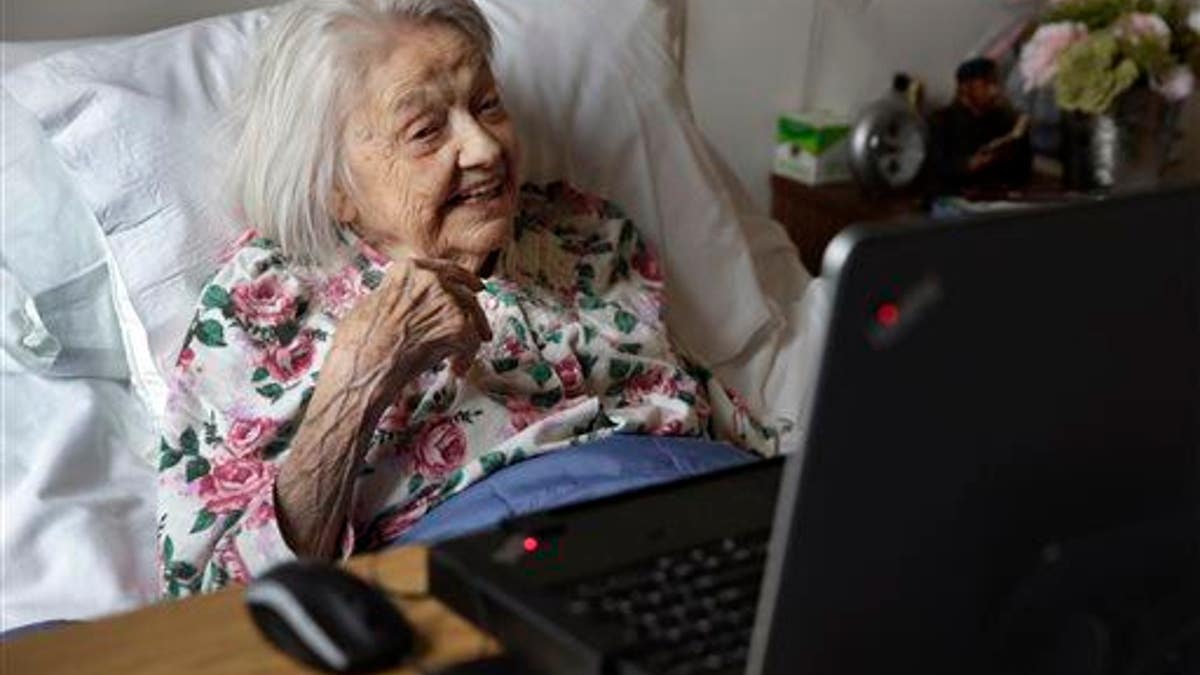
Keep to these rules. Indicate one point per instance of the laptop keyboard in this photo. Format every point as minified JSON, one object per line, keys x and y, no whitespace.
{"x":691,"y":611}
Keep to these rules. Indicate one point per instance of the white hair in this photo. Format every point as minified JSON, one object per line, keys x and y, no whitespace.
{"x":311,"y":63}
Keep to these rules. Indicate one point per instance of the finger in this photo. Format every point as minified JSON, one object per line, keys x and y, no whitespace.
{"x":470,"y":305}
{"x":450,"y":271}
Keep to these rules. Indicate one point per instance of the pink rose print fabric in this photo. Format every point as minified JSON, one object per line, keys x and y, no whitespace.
{"x":580,"y":351}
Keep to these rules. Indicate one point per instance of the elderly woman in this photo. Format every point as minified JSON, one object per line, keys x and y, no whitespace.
{"x":402,"y":319}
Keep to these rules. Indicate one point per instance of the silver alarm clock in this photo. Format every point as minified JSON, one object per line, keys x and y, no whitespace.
{"x":888,"y":145}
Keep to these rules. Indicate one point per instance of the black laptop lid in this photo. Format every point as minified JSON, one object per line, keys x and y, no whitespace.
{"x":990,"y":391}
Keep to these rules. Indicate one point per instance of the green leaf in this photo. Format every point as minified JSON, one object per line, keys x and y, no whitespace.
{"x":492,"y":461}
{"x":586,"y":362}
{"x":585,"y":271}
{"x":519,"y":329}
{"x":590,"y":302}
{"x":556,"y":337}
{"x":272,"y":391}
{"x":625,"y":321}
{"x":210,"y":332}
{"x":168,"y":549}
{"x":517,"y":456}
{"x":415,"y":483}
{"x":188,"y":442}
{"x":197,"y":467}
{"x":371,"y":278}
{"x":546,"y":399}
{"x":274,"y":448}
{"x":182,"y":570}
{"x":618,"y":369}
{"x":630,"y":348}
{"x":204,"y":520}
{"x":452,"y":482}
{"x":686,"y":397}
{"x":215,"y":297}
{"x":589,"y":334}
{"x":287,"y":332}
{"x":168,"y":458}
{"x":541,"y":372}
{"x":504,"y":365}
{"x":259,"y":374}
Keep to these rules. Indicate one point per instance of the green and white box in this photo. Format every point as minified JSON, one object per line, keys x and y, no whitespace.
{"x":813,"y":147}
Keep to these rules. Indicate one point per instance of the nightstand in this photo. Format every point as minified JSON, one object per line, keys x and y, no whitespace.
{"x":814,"y":215}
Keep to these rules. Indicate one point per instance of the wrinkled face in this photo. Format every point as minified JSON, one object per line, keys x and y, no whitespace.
{"x":431,"y":152}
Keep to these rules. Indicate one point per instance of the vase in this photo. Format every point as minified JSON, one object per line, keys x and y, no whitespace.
{"x":1131,"y":147}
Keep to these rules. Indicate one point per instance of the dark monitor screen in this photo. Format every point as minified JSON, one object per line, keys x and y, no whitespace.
{"x":993,"y":395}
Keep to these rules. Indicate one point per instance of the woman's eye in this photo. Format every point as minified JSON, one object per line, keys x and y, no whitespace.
{"x":489,"y":104}
{"x":426,"y":132}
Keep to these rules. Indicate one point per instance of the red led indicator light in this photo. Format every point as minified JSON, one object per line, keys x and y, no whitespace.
{"x":530,"y":544}
{"x":888,"y":314}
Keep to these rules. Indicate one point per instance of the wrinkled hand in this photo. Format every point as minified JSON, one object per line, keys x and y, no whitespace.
{"x":424,"y":312}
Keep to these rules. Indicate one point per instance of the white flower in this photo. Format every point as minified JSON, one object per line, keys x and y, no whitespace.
{"x":1177,"y":85}
{"x":1039,"y":58}
{"x":1144,"y":26}
{"x":1193,"y":20}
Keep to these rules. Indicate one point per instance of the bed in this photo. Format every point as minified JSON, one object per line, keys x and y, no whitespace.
{"x":109,"y":233}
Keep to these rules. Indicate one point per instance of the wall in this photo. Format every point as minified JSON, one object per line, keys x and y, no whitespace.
{"x":747,"y":60}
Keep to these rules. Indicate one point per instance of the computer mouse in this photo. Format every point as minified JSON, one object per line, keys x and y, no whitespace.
{"x":329,"y":618}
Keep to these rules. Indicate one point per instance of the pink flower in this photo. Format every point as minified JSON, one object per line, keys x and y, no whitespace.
{"x":185,"y":358}
{"x":340,"y":292}
{"x":1039,"y":57}
{"x":646,"y":263}
{"x":289,"y":362}
{"x":1177,"y":85}
{"x":248,"y":435}
{"x":522,"y":413}
{"x":513,"y":347}
{"x":264,"y":302}
{"x":395,"y":418}
{"x":570,"y":374}
{"x":231,"y":485}
{"x":227,"y":557}
{"x":438,"y":450}
{"x":259,"y":515}
{"x":655,"y":381}
{"x":1144,"y":26}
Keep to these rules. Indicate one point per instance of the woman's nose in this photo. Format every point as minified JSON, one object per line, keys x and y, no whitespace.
{"x":478,"y":146}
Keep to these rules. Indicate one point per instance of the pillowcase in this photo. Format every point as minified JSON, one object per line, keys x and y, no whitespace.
{"x":595,"y":94}
{"x":59,"y":317}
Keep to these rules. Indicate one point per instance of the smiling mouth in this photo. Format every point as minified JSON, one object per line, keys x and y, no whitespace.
{"x":480,"y":193}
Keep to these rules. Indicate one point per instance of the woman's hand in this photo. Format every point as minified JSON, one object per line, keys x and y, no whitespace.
{"x":424,"y":312}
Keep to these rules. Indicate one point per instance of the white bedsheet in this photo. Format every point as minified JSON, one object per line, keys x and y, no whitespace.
{"x":78,"y":521}
{"x":77,"y":518}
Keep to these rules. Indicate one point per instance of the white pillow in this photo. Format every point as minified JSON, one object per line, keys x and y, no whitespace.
{"x":595,"y":93}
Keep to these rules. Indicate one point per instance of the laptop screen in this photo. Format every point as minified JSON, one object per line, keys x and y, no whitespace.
{"x":995,"y":397}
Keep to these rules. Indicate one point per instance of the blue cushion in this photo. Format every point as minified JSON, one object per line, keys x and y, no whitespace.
{"x":606,"y":467}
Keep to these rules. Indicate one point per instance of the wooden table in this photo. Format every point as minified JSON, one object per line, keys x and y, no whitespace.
{"x":813,"y":216}
{"x":215,"y":634}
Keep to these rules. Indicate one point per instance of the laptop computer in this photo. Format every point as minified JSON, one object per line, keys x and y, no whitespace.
{"x":1000,"y":474}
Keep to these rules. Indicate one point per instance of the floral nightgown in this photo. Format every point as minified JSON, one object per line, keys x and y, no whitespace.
{"x":579,"y":351}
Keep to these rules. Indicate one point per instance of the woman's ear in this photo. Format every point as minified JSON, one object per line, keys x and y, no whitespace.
{"x":343,"y":208}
